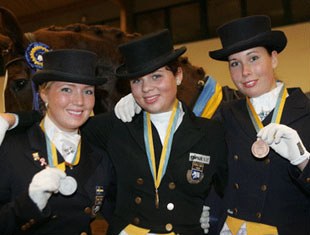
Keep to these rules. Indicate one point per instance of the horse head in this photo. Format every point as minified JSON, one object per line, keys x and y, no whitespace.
{"x":101,"y":39}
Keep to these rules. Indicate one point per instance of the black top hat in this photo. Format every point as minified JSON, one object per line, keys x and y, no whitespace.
{"x":68,"y":65}
{"x":146,"y":54}
{"x":244,"y":33}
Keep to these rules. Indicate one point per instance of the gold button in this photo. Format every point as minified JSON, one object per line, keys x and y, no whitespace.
{"x":263,"y":187}
{"x":258,"y":215}
{"x":138,"y":200}
{"x":32,"y":221}
{"x":83,"y":233}
{"x":87,"y":210}
{"x":308,"y":180}
{"x":169,"y":227}
{"x":235,"y":211}
{"x":23,"y":227}
{"x":236,"y":186}
{"x":140,"y":181}
{"x":171,"y":185}
{"x":267,"y":161}
{"x":236,"y":157}
{"x":136,"y":221}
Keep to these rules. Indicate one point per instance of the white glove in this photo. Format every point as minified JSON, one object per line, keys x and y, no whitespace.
{"x":205,"y":219}
{"x":285,"y":141}
{"x":43,"y":184}
{"x":4,"y":126}
{"x":126,"y":108}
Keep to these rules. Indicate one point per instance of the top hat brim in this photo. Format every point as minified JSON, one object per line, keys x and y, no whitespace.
{"x":43,"y":76}
{"x":274,"y":40}
{"x":122,"y":72}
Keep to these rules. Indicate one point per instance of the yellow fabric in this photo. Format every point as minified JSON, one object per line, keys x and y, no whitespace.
{"x":253,"y":228}
{"x":135,"y":230}
{"x":213,"y":103}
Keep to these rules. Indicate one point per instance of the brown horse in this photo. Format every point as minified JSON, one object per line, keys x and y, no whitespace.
{"x":101,"y":39}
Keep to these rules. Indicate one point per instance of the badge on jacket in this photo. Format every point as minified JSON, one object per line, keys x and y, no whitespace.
{"x":195,"y":174}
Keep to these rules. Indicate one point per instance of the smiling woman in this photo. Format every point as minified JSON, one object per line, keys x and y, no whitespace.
{"x":56,"y":172}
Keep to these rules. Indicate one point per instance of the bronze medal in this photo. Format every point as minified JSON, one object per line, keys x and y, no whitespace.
{"x":260,"y":148}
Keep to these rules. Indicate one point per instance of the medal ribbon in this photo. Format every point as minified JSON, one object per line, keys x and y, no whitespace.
{"x":165,"y":154}
{"x":277,"y":113}
{"x":52,"y":153}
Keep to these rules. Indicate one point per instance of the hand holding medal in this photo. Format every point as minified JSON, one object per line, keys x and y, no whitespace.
{"x":260,"y":147}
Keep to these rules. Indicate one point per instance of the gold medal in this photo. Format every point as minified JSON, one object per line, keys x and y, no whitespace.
{"x":260,"y":148}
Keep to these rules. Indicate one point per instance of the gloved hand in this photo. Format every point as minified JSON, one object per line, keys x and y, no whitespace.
{"x":4,"y":126}
{"x":205,"y":219}
{"x":126,"y":108}
{"x":43,"y":184}
{"x":285,"y":141}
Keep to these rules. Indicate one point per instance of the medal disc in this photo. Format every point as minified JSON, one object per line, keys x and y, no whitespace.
{"x":68,"y":186}
{"x":260,"y":149}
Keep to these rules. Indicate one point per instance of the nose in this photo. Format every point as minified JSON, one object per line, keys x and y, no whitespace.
{"x":246,"y":70}
{"x":146,"y":85}
{"x":78,"y":98}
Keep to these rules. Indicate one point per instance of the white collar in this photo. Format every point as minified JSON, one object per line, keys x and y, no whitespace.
{"x":267,"y":101}
{"x":161,"y":121}
{"x":61,"y":139}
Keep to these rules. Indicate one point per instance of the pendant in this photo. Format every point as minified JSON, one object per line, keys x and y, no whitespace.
{"x":68,"y":186}
{"x":260,"y":148}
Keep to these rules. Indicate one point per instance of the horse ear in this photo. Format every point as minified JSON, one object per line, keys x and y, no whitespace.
{"x":11,"y":28}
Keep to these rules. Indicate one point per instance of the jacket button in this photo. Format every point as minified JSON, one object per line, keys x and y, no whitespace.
{"x":32,"y":221}
{"x":23,"y":227}
{"x":308,"y":180}
{"x":87,"y":210}
{"x":140,"y":181}
{"x":138,"y":200}
{"x":136,"y":221}
{"x":236,"y":157}
{"x":170,"y":206}
{"x":169,"y":227}
{"x":236,"y":186}
{"x":267,"y":161}
{"x":258,"y":215}
{"x":171,"y":185}
{"x":263,"y":187}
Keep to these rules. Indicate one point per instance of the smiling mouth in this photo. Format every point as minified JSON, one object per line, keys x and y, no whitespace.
{"x":249,"y":84}
{"x":151,"y":99}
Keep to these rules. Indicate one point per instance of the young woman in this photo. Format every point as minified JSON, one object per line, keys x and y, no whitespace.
{"x":166,"y":159}
{"x":53,"y":181}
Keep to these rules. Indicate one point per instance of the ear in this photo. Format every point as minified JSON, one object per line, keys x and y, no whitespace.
{"x":43,"y":95}
{"x":274,"y":59}
{"x":179,"y":76}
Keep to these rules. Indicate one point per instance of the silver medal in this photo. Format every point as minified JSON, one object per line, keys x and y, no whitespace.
{"x":68,"y":186}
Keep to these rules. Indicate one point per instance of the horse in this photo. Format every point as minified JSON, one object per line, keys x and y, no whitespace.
{"x":101,"y":39}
